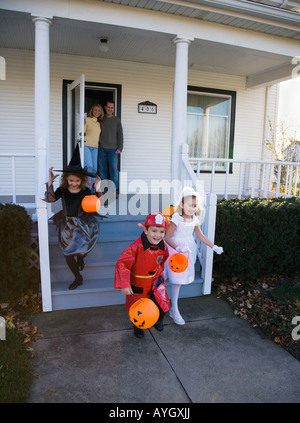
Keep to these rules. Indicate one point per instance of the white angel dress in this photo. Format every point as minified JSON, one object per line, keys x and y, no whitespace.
{"x":183,"y":237}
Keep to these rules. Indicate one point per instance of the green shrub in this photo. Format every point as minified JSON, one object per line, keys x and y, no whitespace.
{"x":259,"y":237}
{"x":15,"y":250}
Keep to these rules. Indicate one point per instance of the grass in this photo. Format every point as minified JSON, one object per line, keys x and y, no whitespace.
{"x":16,"y":353}
{"x":16,"y":369}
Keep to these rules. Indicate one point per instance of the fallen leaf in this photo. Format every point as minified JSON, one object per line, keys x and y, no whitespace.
{"x":10,"y":325}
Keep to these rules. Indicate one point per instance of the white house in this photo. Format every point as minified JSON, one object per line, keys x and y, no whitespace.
{"x":209,"y":70}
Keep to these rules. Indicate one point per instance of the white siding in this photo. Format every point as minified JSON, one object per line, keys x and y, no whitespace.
{"x":17,"y":120}
{"x":147,"y":138}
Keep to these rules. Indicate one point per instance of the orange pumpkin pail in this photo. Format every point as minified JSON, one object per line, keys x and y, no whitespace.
{"x":178,"y":262}
{"x":90,"y":203}
{"x":144,"y":313}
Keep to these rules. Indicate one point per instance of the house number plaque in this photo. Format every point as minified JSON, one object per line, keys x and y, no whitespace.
{"x":147,"y":107}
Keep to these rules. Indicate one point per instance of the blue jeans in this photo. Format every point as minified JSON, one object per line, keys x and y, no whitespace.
{"x":110,"y":157}
{"x":90,"y":158}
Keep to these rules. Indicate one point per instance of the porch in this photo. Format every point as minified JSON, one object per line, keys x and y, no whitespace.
{"x":238,"y":179}
{"x":146,"y":46}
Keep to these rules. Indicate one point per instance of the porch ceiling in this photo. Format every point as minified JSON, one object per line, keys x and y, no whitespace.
{"x":82,"y":38}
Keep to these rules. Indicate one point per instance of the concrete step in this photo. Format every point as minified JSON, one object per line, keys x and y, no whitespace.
{"x":116,"y":232}
{"x":110,"y":230}
{"x":101,"y":292}
{"x":99,"y":263}
{"x":92,"y":293}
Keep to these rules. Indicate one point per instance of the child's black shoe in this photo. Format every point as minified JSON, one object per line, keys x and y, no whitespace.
{"x":159,"y":326}
{"x":139,"y":333}
{"x":76,"y":283}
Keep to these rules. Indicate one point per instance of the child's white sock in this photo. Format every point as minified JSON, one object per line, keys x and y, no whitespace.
{"x":174,"y":312}
{"x":174,"y":298}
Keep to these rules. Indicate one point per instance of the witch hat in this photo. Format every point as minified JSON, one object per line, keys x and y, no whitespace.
{"x":75,"y":165}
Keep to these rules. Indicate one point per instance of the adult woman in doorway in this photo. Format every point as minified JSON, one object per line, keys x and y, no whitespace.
{"x":92,"y":130}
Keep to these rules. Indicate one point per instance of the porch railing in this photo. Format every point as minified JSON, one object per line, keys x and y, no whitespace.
{"x":224,"y":178}
{"x":243,"y":178}
{"x":14,"y":184}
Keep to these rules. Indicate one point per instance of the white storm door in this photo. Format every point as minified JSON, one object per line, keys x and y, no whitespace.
{"x":76,"y":117}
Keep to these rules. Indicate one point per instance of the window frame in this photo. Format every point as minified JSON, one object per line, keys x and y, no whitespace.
{"x":191,"y":89}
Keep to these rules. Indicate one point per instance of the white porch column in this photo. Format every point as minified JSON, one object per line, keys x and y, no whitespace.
{"x":42,"y":135}
{"x":180,"y":104}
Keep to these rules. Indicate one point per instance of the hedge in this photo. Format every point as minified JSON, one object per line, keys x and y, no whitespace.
{"x":259,"y":237}
{"x":15,"y":250}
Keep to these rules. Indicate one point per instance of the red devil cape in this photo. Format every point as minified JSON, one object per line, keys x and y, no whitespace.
{"x":141,"y":267}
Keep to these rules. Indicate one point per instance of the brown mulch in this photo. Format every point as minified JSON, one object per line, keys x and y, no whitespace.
{"x":269,"y":304}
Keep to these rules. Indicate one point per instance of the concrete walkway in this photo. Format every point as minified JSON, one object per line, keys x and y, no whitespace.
{"x":91,"y":356}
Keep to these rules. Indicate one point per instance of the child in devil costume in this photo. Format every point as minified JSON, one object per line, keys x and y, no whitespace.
{"x":139,"y":269}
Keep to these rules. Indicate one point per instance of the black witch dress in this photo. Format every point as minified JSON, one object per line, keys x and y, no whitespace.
{"x":77,"y":230}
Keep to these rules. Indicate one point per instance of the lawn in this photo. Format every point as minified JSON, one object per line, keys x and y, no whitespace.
{"x":17,"y":351}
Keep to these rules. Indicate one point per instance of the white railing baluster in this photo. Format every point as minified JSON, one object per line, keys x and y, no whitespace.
{"x":266,"y":180}
{"x":212,"y":180}
{"x":278,"y":180}
{"x":198,"y":169}
{"x":13,"y":178}
{"x":290,"y":180}
{"x":254,"y":180}
{"x":13,"y":191}
{"x":270,"y":178}
{"x":296,"y":181}
{"x":242,"y":165}
{"x":226,"y":181}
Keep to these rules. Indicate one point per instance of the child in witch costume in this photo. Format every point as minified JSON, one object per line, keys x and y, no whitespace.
{"x":78,"y":230}
{"x":139,"y":269}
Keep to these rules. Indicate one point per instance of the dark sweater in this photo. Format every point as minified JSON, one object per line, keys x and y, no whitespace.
{"x":111,"y":133}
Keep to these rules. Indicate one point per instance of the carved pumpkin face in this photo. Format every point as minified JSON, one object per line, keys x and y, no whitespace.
{"x":90,"y":203}
{"x":144,"y":313}
{"x":178,"y":262}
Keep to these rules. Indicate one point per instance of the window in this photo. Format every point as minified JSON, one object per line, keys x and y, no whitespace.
{"x":210,"y":124}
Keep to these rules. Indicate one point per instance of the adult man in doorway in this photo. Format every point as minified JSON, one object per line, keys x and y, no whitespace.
{"x":110,"y":145}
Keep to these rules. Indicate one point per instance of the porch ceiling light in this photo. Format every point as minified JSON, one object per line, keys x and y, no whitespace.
{"x":104,"y":45}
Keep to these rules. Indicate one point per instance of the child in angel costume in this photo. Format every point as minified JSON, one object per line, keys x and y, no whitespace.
{"x":180,"y":238}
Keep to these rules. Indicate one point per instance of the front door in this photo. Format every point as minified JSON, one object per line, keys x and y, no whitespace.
{"x":78,"y":98}
{"x":75,"y":116}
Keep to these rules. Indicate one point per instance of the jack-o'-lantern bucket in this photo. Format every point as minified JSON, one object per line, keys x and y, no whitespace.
{"x":178,"y":262}
{"x":90,"y":203}
{"x":144,"y":313}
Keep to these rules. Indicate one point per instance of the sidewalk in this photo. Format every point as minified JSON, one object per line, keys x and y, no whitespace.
{"x":91,"y":355}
